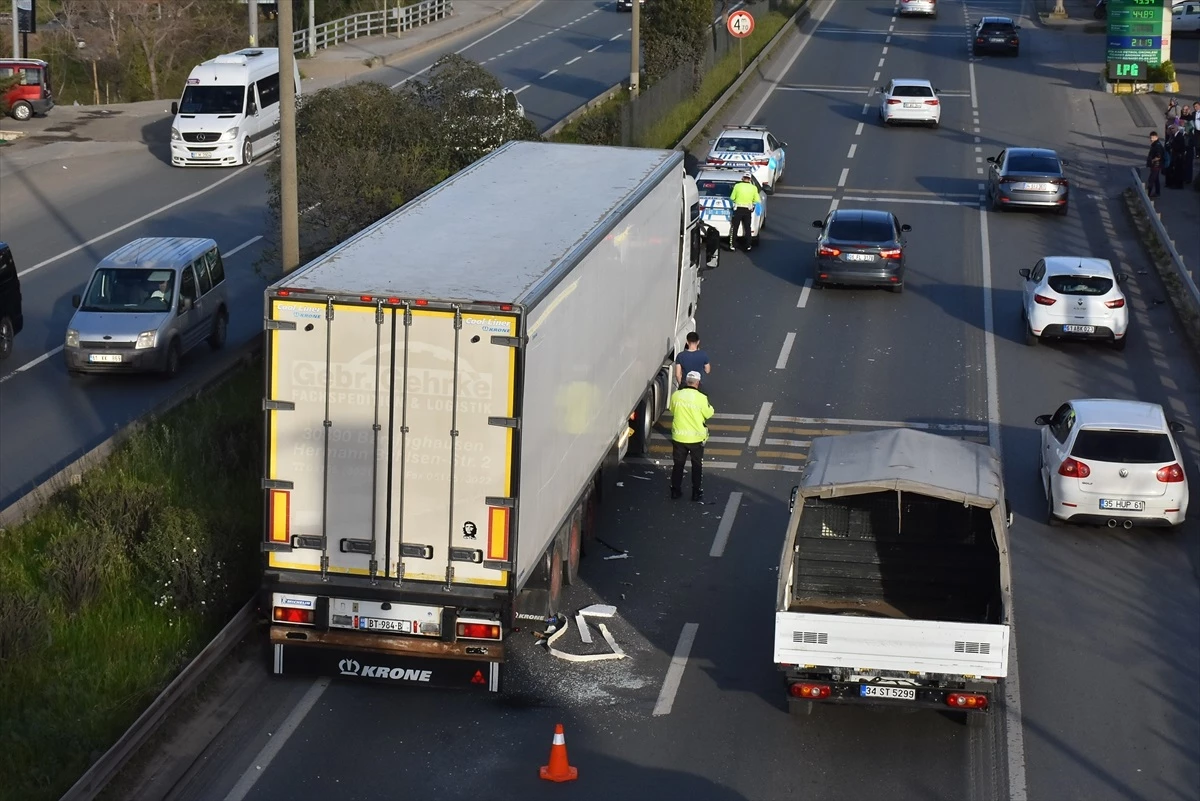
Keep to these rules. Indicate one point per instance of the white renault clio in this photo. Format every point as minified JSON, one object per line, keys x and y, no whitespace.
{"x":1068,"y":297}
{"x":1112,"y":462}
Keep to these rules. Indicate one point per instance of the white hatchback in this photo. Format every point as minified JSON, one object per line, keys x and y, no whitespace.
{"x":1112,"y":462}
{"x":909,"y":100}
{"x":923,"y":7}
{"x":1068,"y":297}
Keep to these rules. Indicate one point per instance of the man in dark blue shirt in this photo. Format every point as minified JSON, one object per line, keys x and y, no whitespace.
{"x":691,"y":359}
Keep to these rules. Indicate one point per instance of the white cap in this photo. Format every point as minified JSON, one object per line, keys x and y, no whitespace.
{"x":692,"y":376}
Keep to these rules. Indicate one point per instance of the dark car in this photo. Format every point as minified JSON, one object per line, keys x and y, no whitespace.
{"x":1032,"y":177}
{"x":11,"y":319}
{"x":864,"y":248}
{"x":997,"y":35}
{"x":627,"y":5}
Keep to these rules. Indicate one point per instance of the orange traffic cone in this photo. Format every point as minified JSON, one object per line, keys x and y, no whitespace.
{"x":558,"y":770}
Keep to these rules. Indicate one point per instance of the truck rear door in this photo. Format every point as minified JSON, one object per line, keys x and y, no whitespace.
{"x":390,"y":441}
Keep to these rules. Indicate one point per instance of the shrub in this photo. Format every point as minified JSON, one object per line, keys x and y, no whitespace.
{"x":81,"y":562}
{"x":1163,"y":73}
{"x":22,"y":620}
{"x":179,"y":564}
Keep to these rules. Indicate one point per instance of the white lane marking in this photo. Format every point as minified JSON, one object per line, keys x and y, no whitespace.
{"x":788,"y":443}
{"x":615,"y":38}
{"x":666,"y":697}
{"x":597,"y":47}
{"x":513,"y":21}
{"x":760,"y":424}
{"x":665,"y":461}
{"x":885,"y":53}
{"x":664,"y":437}
{"x":726,"y":524}
{"x":35,"y":362}
{"x":888,"y":39}
{"x":880,"y":64}
{"x":732,"y":416}
{"x":844,"y":421}
{"x":547,"y":75}
{"x":969,"y":200}
{"x":858,"y":131}
{"x":850,"y":155}
{"x":785,"y":351}
{"x":278,"y":740}
{"x":833,"y":204}
{"x":890,"y":32}
{"x":132,"y":223}
{"x":891,"y":29}
{"x":784,"y":468}
{"x":978,"y":159}
{"x":842,"y":178}
{"x":572,"y":61}
{"x":522,"y":89}
{"x":876,"y":78}
{"x":833,"y":90}
{"x":788,"y":66}
{"x":866,"y":106}
{"x":974,"y":96}
{"x":229,"y":254}
{"x":804,"y":293}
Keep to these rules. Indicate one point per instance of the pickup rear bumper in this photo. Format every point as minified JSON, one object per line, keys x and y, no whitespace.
{"x":926,"y":695}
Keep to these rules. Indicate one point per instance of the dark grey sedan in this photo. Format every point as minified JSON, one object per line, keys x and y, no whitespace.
{"x":862,"y":248}
{"x":1027,"y":176}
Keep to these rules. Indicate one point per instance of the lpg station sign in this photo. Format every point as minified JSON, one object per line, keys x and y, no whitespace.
{"x":1139,"y":31}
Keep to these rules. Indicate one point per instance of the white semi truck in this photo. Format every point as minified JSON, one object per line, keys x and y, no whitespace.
{"x":894,"y":582}
{"x":443,"y":394}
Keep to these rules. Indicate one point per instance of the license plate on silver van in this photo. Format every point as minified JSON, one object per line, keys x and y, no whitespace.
{"x":105,"y":358}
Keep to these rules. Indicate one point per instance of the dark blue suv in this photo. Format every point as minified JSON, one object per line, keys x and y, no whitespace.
{"x":997,"y":35}
{"x":11,"y":319}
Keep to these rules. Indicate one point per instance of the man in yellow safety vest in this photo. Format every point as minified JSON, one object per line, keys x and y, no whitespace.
{"x":690,"y":411}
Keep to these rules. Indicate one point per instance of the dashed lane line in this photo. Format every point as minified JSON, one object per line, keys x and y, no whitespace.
{"x":721,"y":540}
{"x":485,"y":37}
{"x":666,"y":697}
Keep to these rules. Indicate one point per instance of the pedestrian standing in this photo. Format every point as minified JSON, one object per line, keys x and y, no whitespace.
{"x":1154,"y":162}
{"x":690,"y":411}
{"x":1176,"y":146}
{"x":745,"y":199}
{"x":1188,"y":164}
{"x":692,"y":359}
{"x":1187,"y":118}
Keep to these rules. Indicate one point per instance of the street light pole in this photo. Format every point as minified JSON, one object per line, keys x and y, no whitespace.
{"x":16,"y":32}
{"x":253,"y":5}
{"x":289,"y":202}
{"x":635,"y":49}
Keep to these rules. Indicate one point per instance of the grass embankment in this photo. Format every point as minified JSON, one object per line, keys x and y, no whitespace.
{"x":602,"y":125}
{"x":109,"y":590}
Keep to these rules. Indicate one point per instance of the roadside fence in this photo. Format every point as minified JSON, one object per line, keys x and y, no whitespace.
{"x":394,"y":19}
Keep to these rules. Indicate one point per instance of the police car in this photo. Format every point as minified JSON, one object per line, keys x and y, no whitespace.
{"x":716,"y":209}
{"x":752,"y":148}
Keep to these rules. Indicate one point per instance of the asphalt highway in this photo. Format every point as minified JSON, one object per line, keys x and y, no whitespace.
{"x":1101,"y":699}
{"x":62,"y":215}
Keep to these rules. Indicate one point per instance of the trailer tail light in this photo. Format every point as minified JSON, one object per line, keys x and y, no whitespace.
{"x":283,"y":293}
{"x":497,"y":542}
{"x":280,"y":523}
{"x":808,"y":690}
{"x":479,"y":631}
{"x":1042,"y":300}
{"x":967,"y":701}
{"x":421,"y":302}
{"x":289,"y":614}
{"x":1119,"y":303}
{"x":893,"y":253}
{"x":828,"y":251}
{"x":1170,"y":474}
{"x":366,"y":298}
{"x":1073,"y":468}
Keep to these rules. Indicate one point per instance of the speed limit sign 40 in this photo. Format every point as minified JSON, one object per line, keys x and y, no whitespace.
{"x":740,"y":24}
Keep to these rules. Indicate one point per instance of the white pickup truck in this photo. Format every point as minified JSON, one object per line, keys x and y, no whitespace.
{"x":894,"y":582}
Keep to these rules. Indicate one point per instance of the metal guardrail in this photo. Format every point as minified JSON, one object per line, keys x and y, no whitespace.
{"x":396,"y":19}
{"x":1164,"y":238}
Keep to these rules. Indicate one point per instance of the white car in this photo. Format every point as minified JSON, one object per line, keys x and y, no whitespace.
{"x":909,"y":100}
{"x":1185,"y":17}
{"x":716,"y":209}
{"x":751,"y":148}
{"x":1112,"y":462}
{"x":927,"y":8}
{"x":1067,"y":297}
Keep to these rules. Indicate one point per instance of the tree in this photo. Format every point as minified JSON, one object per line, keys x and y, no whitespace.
{"x":674,"y":34}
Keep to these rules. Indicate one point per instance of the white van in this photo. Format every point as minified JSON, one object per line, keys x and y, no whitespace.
{"x":229,"y":112}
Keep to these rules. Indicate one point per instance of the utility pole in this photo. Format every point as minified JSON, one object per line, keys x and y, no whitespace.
{"x":253,"y":6}
{"x":312,"y":26}
{"x":16,"y":32}
{"x":289,"y":202}
{"x":635,"y":49}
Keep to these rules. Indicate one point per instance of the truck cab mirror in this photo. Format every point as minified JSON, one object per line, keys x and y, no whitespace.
{"x":1042,"y":420}
{"x":75,"y":301}
{"x":174,"y":108}
{"x":1176,"y":427}
{"x":792,"y":499}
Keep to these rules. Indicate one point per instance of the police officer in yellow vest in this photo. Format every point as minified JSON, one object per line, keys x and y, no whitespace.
{"x":745,"y":198}
{"x":690,"y":411}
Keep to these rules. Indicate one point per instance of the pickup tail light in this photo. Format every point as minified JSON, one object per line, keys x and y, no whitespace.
{"x":1119,"y":303}
{"x":290,"y":614}
{"x":1073,"y":468}
{"x":828,"y":251}
{"x":809,"y":690}
{"x":893,"y":253}
{"x":1170,"y":474}
{"x":1042,"y":300}
{"x":966,"y":701}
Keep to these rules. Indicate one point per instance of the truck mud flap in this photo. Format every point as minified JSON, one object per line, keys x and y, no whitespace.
{"x":459,"y":674}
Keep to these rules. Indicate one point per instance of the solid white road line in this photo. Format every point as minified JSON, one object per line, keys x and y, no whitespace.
{"x":486,"y":36}
{"x":890,"y":31}
{"x":788,"y":443}
{"x":278,"y":740}
{"x":804,"y":293}
{"x":666,"y":697}
{"x":782,"y":468}
{"x":760,"y":424}
{"x":820,"y":18}
{"x":842,"y":178}
{"x":842,"y":421}
{"x":732,"y":416}
{"x":785,"y":351}
{"x":850,"y":155}
{"x":974,"y":97}
{"x":830,"y":89}
{"x":229,"y":254}
{"x":726,"y":524}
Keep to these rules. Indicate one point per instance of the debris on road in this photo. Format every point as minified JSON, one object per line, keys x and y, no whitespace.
{"x":623,"y":555}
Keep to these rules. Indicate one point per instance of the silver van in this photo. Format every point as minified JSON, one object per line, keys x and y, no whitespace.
{"x":146,"y":305}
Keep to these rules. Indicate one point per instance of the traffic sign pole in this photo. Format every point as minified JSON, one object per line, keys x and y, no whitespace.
{"x":740,"y":25}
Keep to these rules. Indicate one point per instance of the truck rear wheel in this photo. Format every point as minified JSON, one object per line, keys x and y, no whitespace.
{"x":642,"y":425}
{"x":543,"y":594}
